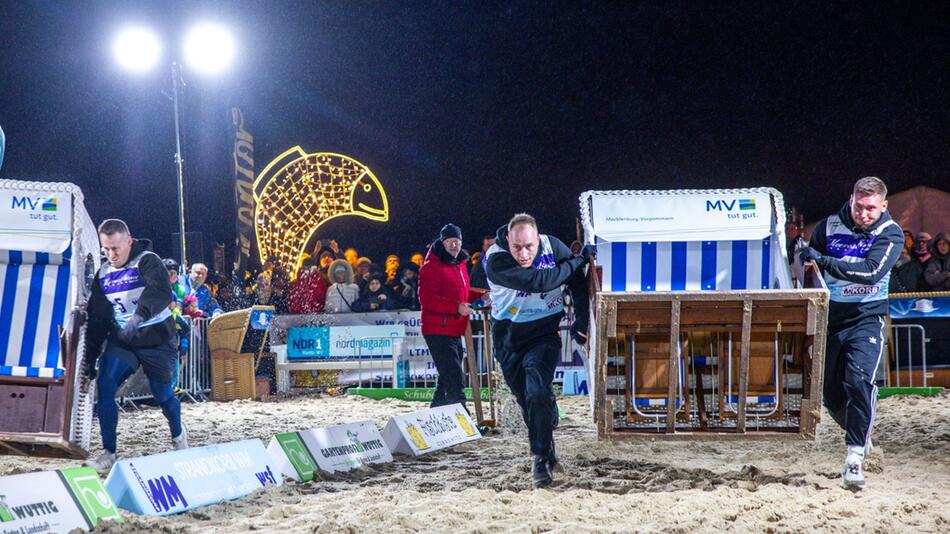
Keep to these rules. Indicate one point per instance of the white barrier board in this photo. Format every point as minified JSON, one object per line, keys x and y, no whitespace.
{"x":429,"y":430}
{"x":329,"y":449}
{"x":172,"y":482}
{"x":54,"y":501}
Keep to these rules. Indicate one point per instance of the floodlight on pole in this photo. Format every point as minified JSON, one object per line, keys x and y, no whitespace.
{"x":137,"y":49}
{"x":208,"y":49}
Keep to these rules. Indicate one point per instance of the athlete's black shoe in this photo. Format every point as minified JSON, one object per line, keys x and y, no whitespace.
{"x":541,"y":472}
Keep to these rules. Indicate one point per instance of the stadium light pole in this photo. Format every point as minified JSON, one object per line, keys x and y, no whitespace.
{"x":208,"y":49}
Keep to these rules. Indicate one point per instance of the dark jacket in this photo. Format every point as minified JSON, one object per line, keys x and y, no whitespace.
{"x":909,"y":277}
{"x":443,"y":285}
{"x":155,"y":298}
{"x":855,"y":285}
{"x":406,"y":294}
{"x":368,"y":298}
{"x":504,"y":271}
{"x":478,"y":276}
{"x":937,"y":271}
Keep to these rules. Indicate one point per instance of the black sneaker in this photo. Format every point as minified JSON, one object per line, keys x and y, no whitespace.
{"x":541,"y":472}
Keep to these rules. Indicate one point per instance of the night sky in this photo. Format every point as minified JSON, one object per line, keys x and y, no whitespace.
{"x":470,"y":111}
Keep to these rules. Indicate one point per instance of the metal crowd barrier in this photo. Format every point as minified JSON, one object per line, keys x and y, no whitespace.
{"x":194,"y":371}
{"x":907,"y":338}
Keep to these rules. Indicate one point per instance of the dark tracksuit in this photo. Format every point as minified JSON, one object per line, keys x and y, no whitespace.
{"x":138,"y":288}
{"x":856,"y":264}
{"x":527,"y":307}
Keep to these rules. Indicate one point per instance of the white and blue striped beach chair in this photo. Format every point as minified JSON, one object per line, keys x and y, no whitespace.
{"x":686,"y":240}
{"x":49,"y":252}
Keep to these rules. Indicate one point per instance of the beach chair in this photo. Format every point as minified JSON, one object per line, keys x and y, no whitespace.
{"x":680,"y":274}
{"x":49,"y":254}
{"x":232,"y":369}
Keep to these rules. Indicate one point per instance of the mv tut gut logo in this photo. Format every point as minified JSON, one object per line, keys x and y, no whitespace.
{"x":40,"y":208}
{"x":744,"y":208}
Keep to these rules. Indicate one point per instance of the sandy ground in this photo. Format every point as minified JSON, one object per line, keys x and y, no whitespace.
{"x":484,"y":486}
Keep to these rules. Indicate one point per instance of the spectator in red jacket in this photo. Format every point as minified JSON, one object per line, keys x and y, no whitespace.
{"x":308,"y":293}
{"x":446,"y":298}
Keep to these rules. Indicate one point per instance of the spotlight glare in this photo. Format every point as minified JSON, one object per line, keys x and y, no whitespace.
{"x":137,"y":49}
{"x":209,"y":48}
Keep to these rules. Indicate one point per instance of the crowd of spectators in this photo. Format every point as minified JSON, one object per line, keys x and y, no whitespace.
{"x":924,"y":264}
{"x":328,"y":281}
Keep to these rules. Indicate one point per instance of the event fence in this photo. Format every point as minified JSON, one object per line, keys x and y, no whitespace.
{"x":410,"y":368}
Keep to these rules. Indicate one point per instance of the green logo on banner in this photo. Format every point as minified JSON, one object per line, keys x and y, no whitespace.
{"x":86,"y":487}
{"x":298,"y":454}
{"x":5,"y":514}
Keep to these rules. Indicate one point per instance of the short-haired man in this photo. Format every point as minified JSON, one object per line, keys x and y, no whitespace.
{"x":855,"y":250}
{"x":128,"y":311}
{"x":526,"y":271}
{"x":195,"y":284}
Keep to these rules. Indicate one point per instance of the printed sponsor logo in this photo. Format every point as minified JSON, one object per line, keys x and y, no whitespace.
{"x":860,"y":291}
{"x":95,"y":501}
{"x":10,"y":512}
{"x":840,"y":245}
{"x":354,"y":447}
{"x":165,"y":494}
{"x":743,"y":204}
{"x":47,"y":205}
{"x":266,"y":477}
{"x":298,"y":454}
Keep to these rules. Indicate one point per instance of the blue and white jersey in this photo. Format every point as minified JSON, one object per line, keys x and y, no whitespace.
{"x":123,"y":287}
{"x":845,"y":245}
{"x":522,"y":306}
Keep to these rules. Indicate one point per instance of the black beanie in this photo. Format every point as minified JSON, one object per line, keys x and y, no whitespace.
{"x":450,"y":230}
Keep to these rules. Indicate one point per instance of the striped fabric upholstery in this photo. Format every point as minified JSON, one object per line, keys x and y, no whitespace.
{"x":761,"y":399}
{"x":34,"y":291}
{"x":686,"y":266}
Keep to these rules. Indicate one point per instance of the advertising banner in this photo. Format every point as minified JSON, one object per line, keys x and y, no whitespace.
{"x":682,"y":217}
{"x":430,"y":430}
{"x":172,"y":482}
{"x":35,"y":221}
{"x":920,"y":307}
{"x":54,"y":501}
{"x":323,"y":342}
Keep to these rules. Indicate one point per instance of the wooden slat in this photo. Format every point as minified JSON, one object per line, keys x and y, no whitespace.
{"x":671,"y":374}
{"x":744,"y":363}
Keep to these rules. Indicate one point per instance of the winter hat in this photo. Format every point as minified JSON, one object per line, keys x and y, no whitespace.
{"x":449,"y":231}
{"x":170,"y":264}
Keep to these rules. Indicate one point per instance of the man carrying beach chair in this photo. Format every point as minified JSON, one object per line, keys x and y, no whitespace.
{"x":856,"y":249}
{"x":526,"y":272}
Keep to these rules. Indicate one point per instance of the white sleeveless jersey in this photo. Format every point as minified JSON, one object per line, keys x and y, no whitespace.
{"x":123,"y":286}
{"x":521,"y":306}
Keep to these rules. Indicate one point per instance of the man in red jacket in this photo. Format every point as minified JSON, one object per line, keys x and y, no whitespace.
{"x":446,"y":297}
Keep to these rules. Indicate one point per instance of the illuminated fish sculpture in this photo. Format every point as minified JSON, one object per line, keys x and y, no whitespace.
{"x":297,"y":192}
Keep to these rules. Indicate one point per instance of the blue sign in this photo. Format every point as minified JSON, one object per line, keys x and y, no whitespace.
{"x":308,"y":343}
{"x":261,"y":319}
{"x":176,"y":481}
{"x":920,"y":307}
{"x":325,"y":342}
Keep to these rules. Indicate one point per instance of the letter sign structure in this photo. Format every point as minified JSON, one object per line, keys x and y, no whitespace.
{"x":176,"y":481}
{"x":54,"y":501}
{"x":329,"y":449}
{"x":429,"y":430}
